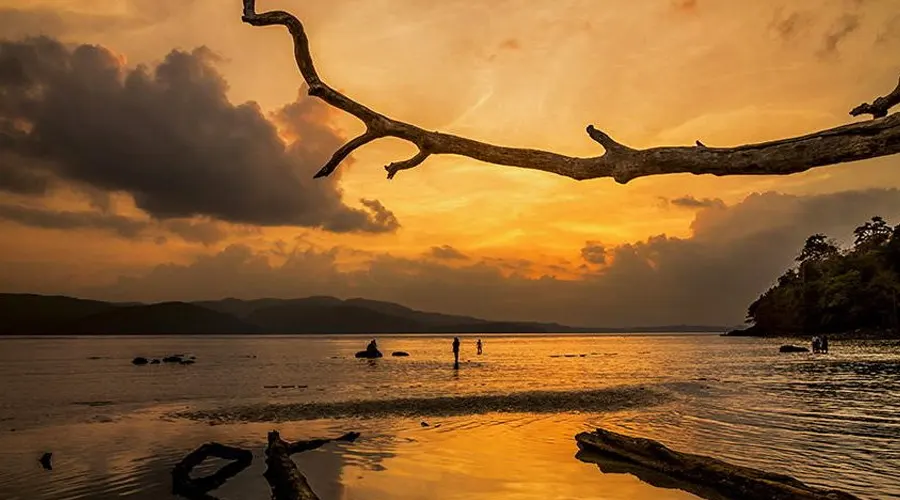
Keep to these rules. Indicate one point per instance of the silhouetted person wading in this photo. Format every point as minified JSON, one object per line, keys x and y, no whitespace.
{"x":456,"y":353}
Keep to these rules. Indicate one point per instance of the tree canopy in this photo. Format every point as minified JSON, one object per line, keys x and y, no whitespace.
{"x":833,"y":289}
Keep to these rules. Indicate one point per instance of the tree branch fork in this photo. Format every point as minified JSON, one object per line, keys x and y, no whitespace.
{"x":879,"y":136}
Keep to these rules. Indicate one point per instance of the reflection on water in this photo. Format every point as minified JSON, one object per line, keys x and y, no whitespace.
{"x":830,"y":420}
{"x":499,"y":456}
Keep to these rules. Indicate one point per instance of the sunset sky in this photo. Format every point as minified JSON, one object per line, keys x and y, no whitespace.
{"x":162,"y":150}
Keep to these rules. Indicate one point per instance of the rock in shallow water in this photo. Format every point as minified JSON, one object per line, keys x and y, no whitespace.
{"x":793,"y":348}
{"x":139,"y":361}
{"x":400,"y":354}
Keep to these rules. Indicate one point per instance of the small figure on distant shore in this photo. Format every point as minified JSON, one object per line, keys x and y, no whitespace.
{"x":478,"y":346}
{"x":820,"y":344}
{"x":456,"y":353}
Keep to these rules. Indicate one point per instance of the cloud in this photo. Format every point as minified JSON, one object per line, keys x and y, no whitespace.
{"x":193,"y":231}
{"x":594,"y":253}
{"x":843,"y":27}
{"x":18,"y":178}
{"x":53,"y":219}
{"x":684,"y":5}
{"x":510,"y":44}
{"x":446,"y":252}
{"x":134,"y":14}
{"x":691,"y":202}
{"x":890,"y":31}
{"x":734,"y":253}
{"x":170,"y":138}
{"x":788,"y":27}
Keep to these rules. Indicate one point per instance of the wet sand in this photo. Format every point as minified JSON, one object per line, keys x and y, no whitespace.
{"x":488,"y":456}
{"x":537,"y":402}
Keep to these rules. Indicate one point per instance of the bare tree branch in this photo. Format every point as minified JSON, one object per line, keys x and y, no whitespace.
{"x":881,"y":106}
{"x":856,"y":141}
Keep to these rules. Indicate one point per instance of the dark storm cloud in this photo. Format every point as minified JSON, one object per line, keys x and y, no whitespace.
{"x":204,"y":232}
{"x":192,"y":231}
{"x":169,"y":137}
{"x":735,"y":253}
{"x":447,"y":252}
{"x":18,"y":180}
{"x":691,"y":202}
{"x":594,"y":253}
{"x":53,"y":219}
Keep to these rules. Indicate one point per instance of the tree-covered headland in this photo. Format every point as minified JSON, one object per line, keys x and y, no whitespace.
{"x":835,"y":290}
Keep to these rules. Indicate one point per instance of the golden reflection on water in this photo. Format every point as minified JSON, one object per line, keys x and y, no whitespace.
{"x":508,"y":456}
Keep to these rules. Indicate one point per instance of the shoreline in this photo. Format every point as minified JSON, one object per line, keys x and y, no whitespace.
{"x":859,"y":334}
{"x":588,"y":401}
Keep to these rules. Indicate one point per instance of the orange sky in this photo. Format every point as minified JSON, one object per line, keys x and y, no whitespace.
{"x":649,"y":72}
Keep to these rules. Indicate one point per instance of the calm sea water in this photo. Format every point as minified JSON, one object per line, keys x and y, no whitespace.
{"x":830,"y":420}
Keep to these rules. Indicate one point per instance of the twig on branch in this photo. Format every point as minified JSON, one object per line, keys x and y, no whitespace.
{"x":880,"y":107}
{"x":857,"y":141}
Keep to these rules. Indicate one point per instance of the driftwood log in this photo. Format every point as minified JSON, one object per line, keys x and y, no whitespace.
{"x":285,"y":480}
{"x":879,"y":136}
{"x":705,"y":477}
{"x":198,"y":489}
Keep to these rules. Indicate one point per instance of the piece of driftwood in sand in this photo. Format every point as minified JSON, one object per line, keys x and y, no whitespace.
{"x":285,"y":480}
{"x":879,"y":136}
{"x":199,"y":488}
{"x":703,"y":476}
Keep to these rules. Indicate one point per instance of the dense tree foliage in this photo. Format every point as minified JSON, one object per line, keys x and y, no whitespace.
{"x":833,"y":290}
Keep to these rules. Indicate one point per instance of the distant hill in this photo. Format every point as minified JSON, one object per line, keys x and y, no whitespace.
{"x":37,"y":314}
{"x":163,"y":318}
{"x":28,"y":314}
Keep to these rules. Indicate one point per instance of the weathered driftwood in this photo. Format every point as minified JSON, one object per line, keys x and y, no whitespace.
{"x":706,"y":477}
{"x":856,"y":141}
{"x":285,"y":480}
{"x":198,"y":489}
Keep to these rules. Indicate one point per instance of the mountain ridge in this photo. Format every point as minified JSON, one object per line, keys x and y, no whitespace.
{"x":34,"y":314}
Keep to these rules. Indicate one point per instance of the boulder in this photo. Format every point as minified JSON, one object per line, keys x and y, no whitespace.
{"x":172,"y":359}
{"x":139,"y":361}
{"x":369,"y":354}
{"x":792,"y":348}
{"x":400,"y":354}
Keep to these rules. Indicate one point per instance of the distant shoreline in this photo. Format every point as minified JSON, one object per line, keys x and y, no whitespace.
{"x":370,"y":334}
{"x":859,"y":334}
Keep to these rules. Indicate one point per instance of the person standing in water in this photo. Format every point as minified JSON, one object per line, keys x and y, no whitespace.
{"x":478,"y":346}
{"x":456,"y":353}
